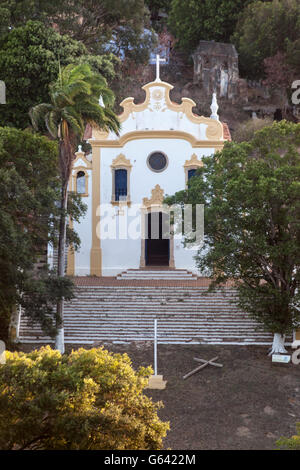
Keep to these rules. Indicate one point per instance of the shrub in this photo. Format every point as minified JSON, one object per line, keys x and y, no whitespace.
{"x":89,"y":399}
{"x":292,"y":443}
{"x":246,"y":130}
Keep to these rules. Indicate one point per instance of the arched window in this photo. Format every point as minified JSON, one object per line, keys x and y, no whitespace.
{"x":191,"y":173}
{"x":190,"y":168}
{"x":81,"y":182}
{"x":120,"y":169}
{"x":120,"y":185}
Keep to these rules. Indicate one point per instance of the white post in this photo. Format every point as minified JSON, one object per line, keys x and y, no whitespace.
{"x":155,"y":346}
{"x":156,"y":381}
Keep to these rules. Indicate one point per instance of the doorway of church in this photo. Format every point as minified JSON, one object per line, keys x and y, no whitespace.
{"x":157,"y":243}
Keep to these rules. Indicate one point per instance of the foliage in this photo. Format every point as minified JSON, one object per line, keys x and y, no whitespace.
{"x":40,"y":294}
{"x":212,"y":20}
{"x":29,"y":61}
{"x":29,"y":188}
{"x":245,"y":130}
{"x":279,"y":73}
{"x":88,"y":400}
{"x":263,"y":30}
{"x":74,"y":104}
{"x":158,"y":7}
{"x":292,"y":443}
{"x":92,"y":22}
{"x":251,"y":197}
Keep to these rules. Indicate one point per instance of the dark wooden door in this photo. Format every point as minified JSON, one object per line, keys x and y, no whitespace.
{"x":157,"y":246}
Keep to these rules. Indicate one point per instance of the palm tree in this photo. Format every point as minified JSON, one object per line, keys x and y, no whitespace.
{"x":74,"y":104}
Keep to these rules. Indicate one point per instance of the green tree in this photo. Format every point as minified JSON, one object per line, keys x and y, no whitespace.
{"x":157,"y":7}
{"x":29,"y":188}
{"x":74,"y":103}
{"x":29,"y":61}
{"x":212,"y":20}
{"x":251,"y":197}
{"x":92,"y":22}
{"x":263,"y":30}
{"x":88,"y":400}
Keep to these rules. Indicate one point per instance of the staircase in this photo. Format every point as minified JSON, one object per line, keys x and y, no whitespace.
{"x":157,"y":274}
{"x":121,"y":312}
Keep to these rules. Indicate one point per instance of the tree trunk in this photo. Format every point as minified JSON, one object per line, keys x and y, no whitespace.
{"x":59,"y":339}
{"x":278,"y":344}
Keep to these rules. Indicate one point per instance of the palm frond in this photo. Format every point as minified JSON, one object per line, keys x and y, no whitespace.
{"x":74,"y":89}
{"x":73,"y":73}
{"x":75,"y":102}
{"x":60,"y":98}
{"x":52,"y":121}
{"x":38,"y":113}
{"x":76,"y":125}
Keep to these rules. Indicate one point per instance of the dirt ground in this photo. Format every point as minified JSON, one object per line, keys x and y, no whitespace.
{"x":248,"y":404}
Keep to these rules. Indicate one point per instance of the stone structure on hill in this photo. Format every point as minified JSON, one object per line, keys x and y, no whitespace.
{"x":216,"y":68}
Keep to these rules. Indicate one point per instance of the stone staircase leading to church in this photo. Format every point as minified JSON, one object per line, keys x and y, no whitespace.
{"x":157,"y":273}
{"x":120,"y":312}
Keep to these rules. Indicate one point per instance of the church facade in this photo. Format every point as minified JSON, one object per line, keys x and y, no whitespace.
{"x":125,"y":179}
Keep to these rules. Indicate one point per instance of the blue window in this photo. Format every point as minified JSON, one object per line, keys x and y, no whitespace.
{"x":120,"y":184}
{"x":191,"y":173}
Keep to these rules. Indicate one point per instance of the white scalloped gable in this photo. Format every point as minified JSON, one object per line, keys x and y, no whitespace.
{"x":159,"y":113}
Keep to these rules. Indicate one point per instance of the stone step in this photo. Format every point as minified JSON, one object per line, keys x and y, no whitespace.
{"x":81,"y":341}
{"x":125,"y":313}
{"x":150,"y":274}
{"x":172,"y":329}
{"x":159,"y":310}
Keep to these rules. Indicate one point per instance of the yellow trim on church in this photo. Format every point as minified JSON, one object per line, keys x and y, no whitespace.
{"x":192,"y":164}
{"x":96,"y":251}
{"x":121,"y":163}
{"x":137,"y":135}
{"x":81,"y":156}
{"x":86,"y":182}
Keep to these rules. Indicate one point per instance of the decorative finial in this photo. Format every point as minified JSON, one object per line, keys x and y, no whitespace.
{"x":101,"y":102}
{"x":158,"y":60}
{"x":79,"y":149}
{"x":214,"y":107}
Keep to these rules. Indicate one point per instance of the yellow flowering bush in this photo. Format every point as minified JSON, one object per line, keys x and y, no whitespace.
{"x":89,"y":399}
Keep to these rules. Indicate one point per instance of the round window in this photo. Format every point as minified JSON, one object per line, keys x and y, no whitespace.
{"x":157,"y":161}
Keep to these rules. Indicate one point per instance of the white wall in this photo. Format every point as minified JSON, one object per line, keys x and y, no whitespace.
{"x":119,"y":255}
{"x":84,"y":230}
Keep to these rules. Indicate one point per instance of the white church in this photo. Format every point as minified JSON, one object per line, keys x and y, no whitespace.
{"x":126,"y":178}
{"x":126,"y":234}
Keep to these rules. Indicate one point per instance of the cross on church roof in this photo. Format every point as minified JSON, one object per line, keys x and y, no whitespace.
{"x":158,"y":60}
